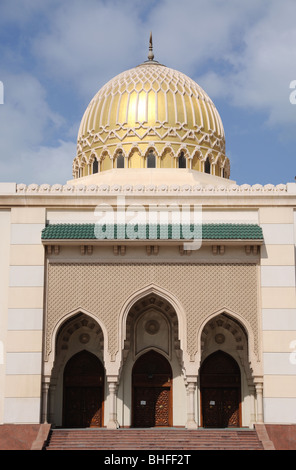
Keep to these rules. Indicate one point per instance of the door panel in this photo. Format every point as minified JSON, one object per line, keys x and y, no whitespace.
{"x":83,"y":407}
{"x":230,"y":407}
{"x":83,"y":391}
{"x":73,"y":413}
{"x":151,"y":406}
{"x":143,"y":407}
{"x":210,"y":403}
{"x":93,"y":407}
{"x":220,"y":407}
{"x":162,"y":406}
{"x":152,"y":391}
{"x":220,"y":391}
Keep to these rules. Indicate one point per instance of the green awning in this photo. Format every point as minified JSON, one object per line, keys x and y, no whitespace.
{"x":152,"y":232}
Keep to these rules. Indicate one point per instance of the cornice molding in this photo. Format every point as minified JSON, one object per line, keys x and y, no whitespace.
{"x":103,"y":189}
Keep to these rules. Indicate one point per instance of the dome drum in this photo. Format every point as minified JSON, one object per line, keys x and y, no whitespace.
{"x":136,"y":157}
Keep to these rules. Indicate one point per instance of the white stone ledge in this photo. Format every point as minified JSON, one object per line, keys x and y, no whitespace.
{"x":7,"y":188}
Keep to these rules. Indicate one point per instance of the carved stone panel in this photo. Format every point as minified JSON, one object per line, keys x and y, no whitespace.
{"x":103,"y":289}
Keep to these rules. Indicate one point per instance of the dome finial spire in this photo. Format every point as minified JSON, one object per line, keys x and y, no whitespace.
{"x":150,"y":55}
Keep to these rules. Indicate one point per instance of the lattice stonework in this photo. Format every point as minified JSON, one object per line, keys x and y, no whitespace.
{"x":102,"y":289}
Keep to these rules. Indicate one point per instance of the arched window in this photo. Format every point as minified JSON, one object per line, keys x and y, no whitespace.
{"x":120,"y":161}
{"x":182,"y":160}
{"x":207,"y":166}
{"x":151,"y":160}
{"x":95,"y":166}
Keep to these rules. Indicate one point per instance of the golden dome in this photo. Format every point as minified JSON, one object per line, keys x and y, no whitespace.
{"x":151,"y":116}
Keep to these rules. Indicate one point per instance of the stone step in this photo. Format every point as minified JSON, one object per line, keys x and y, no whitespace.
{"x":152,"y":439}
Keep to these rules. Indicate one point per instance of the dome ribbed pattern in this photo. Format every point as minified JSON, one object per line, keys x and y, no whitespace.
{"x":151,"y":108}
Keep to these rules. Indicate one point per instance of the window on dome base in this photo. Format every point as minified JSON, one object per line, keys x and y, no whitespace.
{"x":208,"y":166}
{"x":182,"y":160}
{"x":95,"y":166}
{"x":151,"y":160}
{"x":120,"y":161}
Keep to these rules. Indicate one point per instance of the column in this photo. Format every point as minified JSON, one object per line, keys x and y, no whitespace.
{"x":45,"y":389}
{"x":51,"y":398}
{"x":259,"y":401}
{"x":25,"y":316}
{"x":252,"y":404}
{"x":4,"y":283}
{"x":278,"y":288}
{"x":112,"y":386}
{"x":191,"y":398}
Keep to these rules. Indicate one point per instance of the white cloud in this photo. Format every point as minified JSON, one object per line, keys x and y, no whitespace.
{"x":270,"y":64}
{"x":41,"y":165}
{"x":26,"y":124}
{"x":26,"y":101}
{"x":50,"y":164}
{"x":259,"y":75}
{"x":14,"y":11}
{"x":191,"y":32}
{"x":240,"y":51}
{"x":88,"y":42}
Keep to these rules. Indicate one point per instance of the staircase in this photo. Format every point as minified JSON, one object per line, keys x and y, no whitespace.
{"x":153,"y":439}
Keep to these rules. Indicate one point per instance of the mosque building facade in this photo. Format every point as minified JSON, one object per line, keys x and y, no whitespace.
{"x":150,"y":290}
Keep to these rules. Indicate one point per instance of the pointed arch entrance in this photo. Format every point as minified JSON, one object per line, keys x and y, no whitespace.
{"x":152,"y":391}
{"x":220,"y":391}
{"x":83,"y":391}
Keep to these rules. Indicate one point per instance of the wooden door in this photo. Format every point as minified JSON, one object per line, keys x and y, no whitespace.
{"x":162,"y":402}
{"x":220,"y":391}
{"x":230,"y":407}
{"x":152,"y":391}
{"x":83,"y":391}
{"x":221,"y":407}
{"x":83,"y":407}
{"x":152,"y":406}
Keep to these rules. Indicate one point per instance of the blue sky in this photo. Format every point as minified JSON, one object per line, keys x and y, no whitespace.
{"x":56,"y":54}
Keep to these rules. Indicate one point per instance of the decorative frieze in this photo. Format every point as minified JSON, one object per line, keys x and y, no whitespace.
{"x":81,"y":189}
